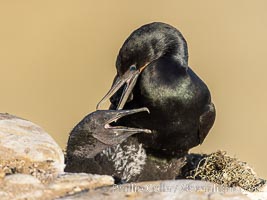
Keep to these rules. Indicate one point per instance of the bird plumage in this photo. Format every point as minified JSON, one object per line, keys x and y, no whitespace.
{"x":181,"y":111}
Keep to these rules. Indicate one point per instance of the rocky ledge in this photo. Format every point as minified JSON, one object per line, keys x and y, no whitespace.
{"x":32,"y":167}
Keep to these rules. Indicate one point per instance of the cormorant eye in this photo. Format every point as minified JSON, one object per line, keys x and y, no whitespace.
{"x":132,"y":68}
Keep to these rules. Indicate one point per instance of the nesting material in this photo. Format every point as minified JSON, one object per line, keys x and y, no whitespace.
{"x":224,"y":170}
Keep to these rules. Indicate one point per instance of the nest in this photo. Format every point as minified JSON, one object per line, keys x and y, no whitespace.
{"x":228,"y":171}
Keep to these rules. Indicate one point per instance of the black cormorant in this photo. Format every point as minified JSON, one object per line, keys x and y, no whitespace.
{"x":153,"y":73}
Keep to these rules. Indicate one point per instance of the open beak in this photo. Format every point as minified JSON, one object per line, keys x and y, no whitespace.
{"x":130,"y":78}
{"x":103,"y":130}
{"x":121,"y":113}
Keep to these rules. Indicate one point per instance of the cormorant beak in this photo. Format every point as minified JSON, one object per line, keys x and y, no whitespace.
{"x":130,"y":78}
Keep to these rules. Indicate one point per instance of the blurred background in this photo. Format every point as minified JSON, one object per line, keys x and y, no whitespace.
{"x":57,"y":60}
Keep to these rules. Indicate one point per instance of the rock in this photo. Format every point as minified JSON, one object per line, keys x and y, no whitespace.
{"x":24,"y":186}
{"x":86,"y":186}
{"x":27,"y":148}
{"x":258,"y":195}
{"x":158,"y":190}
{"x":71,"y":183}
{"x":21,"y":186}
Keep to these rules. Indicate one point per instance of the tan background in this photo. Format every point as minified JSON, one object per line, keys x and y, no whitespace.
{"x":57,"y":61}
